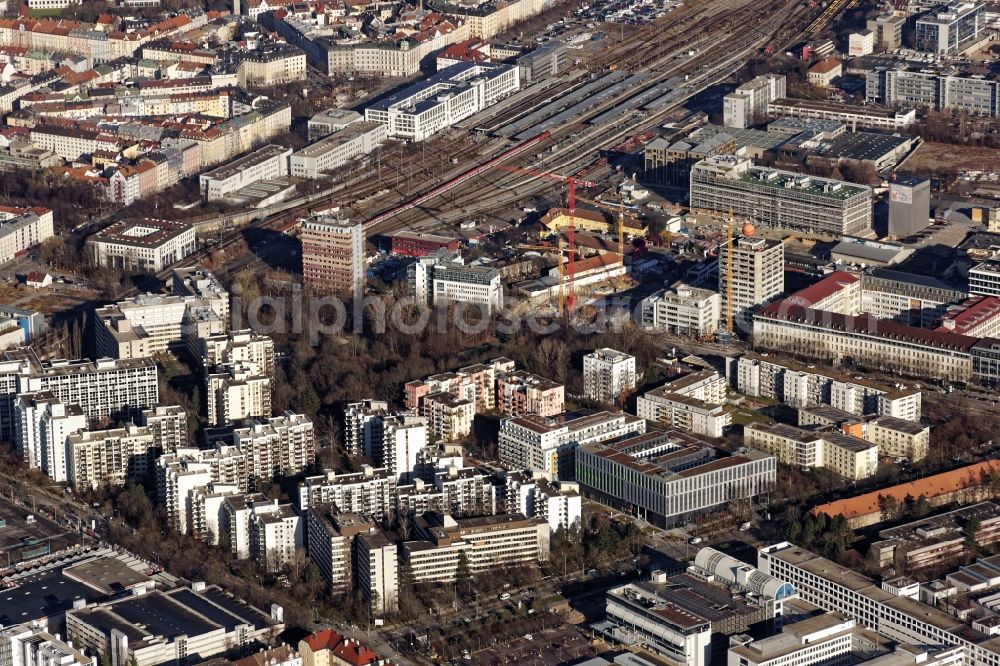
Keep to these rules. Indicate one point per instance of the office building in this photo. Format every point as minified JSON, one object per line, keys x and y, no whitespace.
{"x":665,"y":477}
{"x":442,"y":277}
{"x":936,"y":541}
{"x":443,"y":99}
{"x":901,"y":87}
{"x":154,"y":324}
{"x":40,"y":431}
{"x":103,"y":389}
{"x":860,"y":43}
{"x":780,"y":199}
{"x":97,"y":458}
{"x":855,"y":116}
{"x":984,"y":278}
{"x":327,"y":122}
{"x":276,"y":533}
{"x":888,"y":30}
{"x":949,"y":30}
{"x":918,"y":300}
{"x":851,"y":457}
{"x":268,"y":162}
{"x":333,"y":256}
{"x":835,"y":588}
{"x":909,"y":205}
{"x":277,"y":446}
{"x":747,"y":105}
{"x":151,"y":629}
{"x":683,"y":310}
{"x":369,"y":492}
{"x":22,"y":229}
{"x":549,"y":443}
{"x":488,"y":542}
{"x":757,"y":275}
{"x":338,"y":149}
{"x":693,"y":403}
{"x":143,"y":244}
{"x":824,"y":72}
{"x":607,"y":375}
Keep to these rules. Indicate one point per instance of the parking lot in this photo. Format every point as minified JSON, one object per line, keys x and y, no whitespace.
{"x":561,"y":645}
{"x":20,"y":539}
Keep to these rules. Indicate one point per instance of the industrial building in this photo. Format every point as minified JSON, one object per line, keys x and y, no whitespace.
{"x":665,"y":477}
{"x":780,"y":199}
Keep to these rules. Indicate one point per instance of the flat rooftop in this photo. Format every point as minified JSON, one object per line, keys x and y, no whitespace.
{"x":337,"y":139}
{"x":145,"y":232}
{"x":107,"y":575}
{"x":241,"y":164}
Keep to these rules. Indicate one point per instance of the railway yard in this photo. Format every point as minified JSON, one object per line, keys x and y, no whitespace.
{"x":564,"y":125}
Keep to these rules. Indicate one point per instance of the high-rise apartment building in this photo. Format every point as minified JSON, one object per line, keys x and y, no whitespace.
{"x":280,"y":445}
{"x":330,"y":542}
{"x":747,"y":105}
{"x":376,"y":570}
{"x":607,"y":374}
{"x":757,"y":275}
{"x":180,"y":473}
{"x":235,"y":393}
{"x":333,"y":255}
{"x":276,"y":532}
{"x":361,"y":424}
{"x":152,"y":323}
{"x":109,"y":457}
{"x":244,"y":347}
{"x":169,"y":425}
{"x":40,"y":431}
{"x":780,"y":199}
{"x":369,"y":492}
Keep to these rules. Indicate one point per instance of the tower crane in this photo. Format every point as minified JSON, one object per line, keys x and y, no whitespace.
{"x":572,"y":182}
{"x":619,"y":208}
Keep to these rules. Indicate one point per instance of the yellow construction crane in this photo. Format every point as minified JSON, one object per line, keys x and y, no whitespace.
{"x":562,"y":267}
{"x":619,"y":208}
{"x":729,"y":274}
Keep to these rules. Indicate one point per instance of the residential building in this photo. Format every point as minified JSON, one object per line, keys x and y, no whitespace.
{"x":532,"y":494}
{"x":376,"y":570}
{"x":360,"y":418}
{"x":780,"y":199}
{"x":181,"y":473}
{"x":119,"y":628}
{"x":936,"y":540}
{"x":488,"y":543}
{"x":273,"y":64}
{"x":549,"y":443}
{"x":751,"y":278}
{"x":337,"y":149}
{"x":665,"y":477}
{"x":97,"y":458}
{"x":168,"y":425}
{"x":607,"y":375}
{"x":103,"y":389}
{"x":747,"y":105}
{"x":271,"y":161}
{"x":330,"y":543}
{"x":205,"y":285}
{"x":328,"y":648}
{"x":23,"y":645}
{"x":369,"y":492}
{"x":443,"y":99}
{"x":333,"y":255}
{"x":449,"y":419}
{"x":519,"y":393}
{"x":244,"y":347}
{"x":851,"y":457}
{"x":683,"y":310}
{"x":899,"y":438}
{"x":278,"y":446}
{"x":403,"y":436}
{"x":152,"y":324}
{"x":276,"y":533}
{"x":144,"y":244}
{"x":476,"y":383}
{"x":22,"y":229}
{"x":442,"y":277}
{"x":43,"y":424}
{"x":953,"y":27}
{"x":693,"y":403}
{"x":235,"y":393}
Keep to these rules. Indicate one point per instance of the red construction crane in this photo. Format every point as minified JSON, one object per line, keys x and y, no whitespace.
{"x":572,"y":182}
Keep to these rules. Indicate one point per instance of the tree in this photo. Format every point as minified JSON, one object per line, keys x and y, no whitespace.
{"x":888,"y":507}
{"x":463,"y":576}
{"x":971,"y":529}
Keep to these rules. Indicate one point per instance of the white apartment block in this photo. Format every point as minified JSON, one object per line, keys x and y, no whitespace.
{"x":442,"y":277}
{"x":268,"y":162}
{"x":208,"y":515}
{"x":338,"y":149}
{"x":403,"y":436}
{"x":25,"y":645}
{"x":448,"y":418}
{"x":463,"y":491}
{"x":281,"y":445}
{"x":369,"y":492}
{"x":694,"y":403}
{"x":835,"y":588}
{"x":607,"y":374}
{"x":899,"y":438}
{"x":153,"y":324}
{"x":109,"y":457}
{"x":103,"y":389}
{"x":758,"y":276}
{"x":144,"y":244}
{"x":488,"y":542}
{"x":22,"y":229}
{"x":376,"y":570}
{"x":244,"y":347}
{"x":203,"y":284}
{"x":683,"y":310}
{"x":237,"y":393}
{"x":360,"y":418}
{"x":169,"y":425}
{"x":330,"y":539}
{"x":443,"y":99}
{"x":237,"y":513}
{"x":533,"y":495}
{"x":40,"y":431}
{"x":179,"y":474}
{"x":850,"y":457}
{"x":276,"y":533}
{"x":549,"y":443}
{"x":747,"y":105}
{"x":798,"y":385}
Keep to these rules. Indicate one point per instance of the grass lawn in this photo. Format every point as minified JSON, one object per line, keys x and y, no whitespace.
{"x":747,"y":416}
{"x":52,"y":12}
